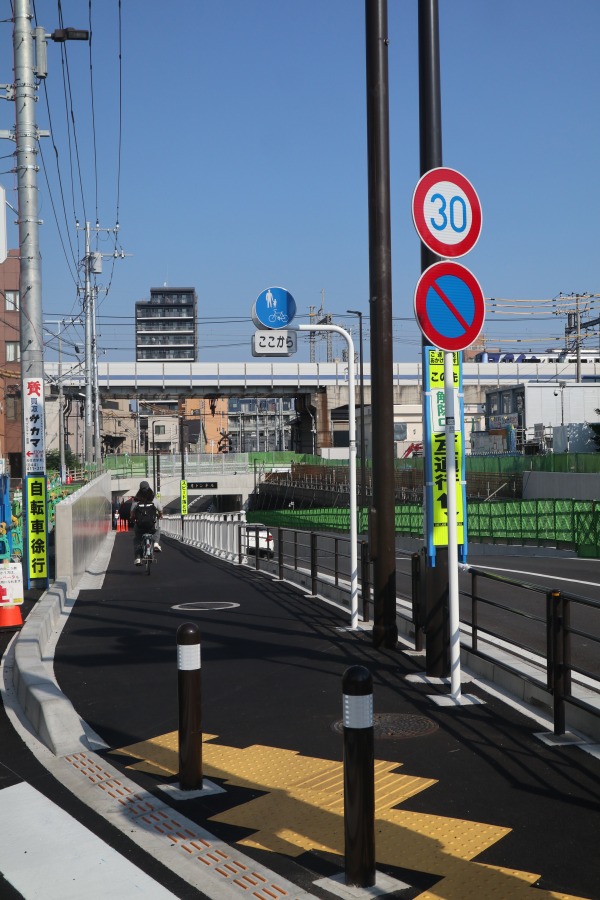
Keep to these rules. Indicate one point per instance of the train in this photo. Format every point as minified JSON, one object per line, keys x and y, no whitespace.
{"x":489,"y":357}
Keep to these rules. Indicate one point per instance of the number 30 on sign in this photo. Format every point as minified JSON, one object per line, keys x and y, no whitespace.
{"x":447,"y":212}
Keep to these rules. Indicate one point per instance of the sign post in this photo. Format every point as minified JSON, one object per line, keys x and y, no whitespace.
{"x":450,"y":310}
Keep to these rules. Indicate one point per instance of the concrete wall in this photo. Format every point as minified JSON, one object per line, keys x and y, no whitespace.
{"x":82,"y":522}
{"x":560,"y":486}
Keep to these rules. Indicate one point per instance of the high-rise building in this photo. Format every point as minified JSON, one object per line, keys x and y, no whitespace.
{"x":165,"y":326}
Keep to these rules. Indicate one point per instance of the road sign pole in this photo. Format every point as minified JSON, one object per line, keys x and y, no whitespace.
{"x":450,"y":406}
{"x":430,"y":153}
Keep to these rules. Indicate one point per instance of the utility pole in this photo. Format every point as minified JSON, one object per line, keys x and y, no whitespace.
{"x":93,"y":266}
{"x":61,"y":402}
{"x":89,"y":378}
{"x":382,"y":529}
{"x":26,"y":136}
{"x":97,"y":435}
{"x":26,"y":69}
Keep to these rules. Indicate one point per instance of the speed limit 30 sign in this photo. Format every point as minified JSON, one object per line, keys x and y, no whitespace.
{"x":446,"y":212}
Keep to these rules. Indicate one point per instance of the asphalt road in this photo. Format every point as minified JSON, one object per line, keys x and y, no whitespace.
{"x":272,"y":666}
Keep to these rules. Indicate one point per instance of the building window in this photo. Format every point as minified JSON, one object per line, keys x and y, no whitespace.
{"x":12,"y":301}
{"x":13,"y":351}
{"x":159,"y":429}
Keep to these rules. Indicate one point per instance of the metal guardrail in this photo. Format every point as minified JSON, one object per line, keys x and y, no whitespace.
{"x":561,"y":625}
{"x":546,"y":632}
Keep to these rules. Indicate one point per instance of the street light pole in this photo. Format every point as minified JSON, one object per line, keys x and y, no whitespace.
{"x":337,"y":329}
{"x":363,"y":454}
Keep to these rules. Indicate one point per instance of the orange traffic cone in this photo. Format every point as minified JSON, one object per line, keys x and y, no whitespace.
{"x":10,"y":614}
{"x":10,"y":617}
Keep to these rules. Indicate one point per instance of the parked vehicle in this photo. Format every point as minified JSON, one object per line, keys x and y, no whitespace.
{"x":266,"y":546}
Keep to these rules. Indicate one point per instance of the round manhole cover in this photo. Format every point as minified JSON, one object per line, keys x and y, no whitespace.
{"x":396,"y":725}
{"x":204,"y":605}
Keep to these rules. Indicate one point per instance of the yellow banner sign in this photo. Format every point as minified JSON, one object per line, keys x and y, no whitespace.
{"x":437,"y":409}
{"x":37,"y":528}
{"x":184,"y":500}
{"x":440,"y":490}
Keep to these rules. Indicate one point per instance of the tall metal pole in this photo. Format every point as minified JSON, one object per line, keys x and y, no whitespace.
{"x":430,"y":136}
{"x":363,"y":457}
{"x":89,"y":377}
{"x":61,"y":411}
{"x":27,"y":134}
{"x":97,"y":434}
{"x":182,"y":449}
{"x":382,"y":525}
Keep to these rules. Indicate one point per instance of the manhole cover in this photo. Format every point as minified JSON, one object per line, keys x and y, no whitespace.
{"x":202,"y":605}
{"x":392,"y":725}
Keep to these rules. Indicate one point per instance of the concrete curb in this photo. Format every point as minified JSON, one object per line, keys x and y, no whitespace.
{"x":51,"y":715}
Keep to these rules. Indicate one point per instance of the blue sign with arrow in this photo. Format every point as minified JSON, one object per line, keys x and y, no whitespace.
{"x":274,"y":308}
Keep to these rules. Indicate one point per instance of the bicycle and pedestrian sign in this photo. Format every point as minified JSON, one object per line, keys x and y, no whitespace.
{"x":446,"y":212}
{"x":274,"y":308}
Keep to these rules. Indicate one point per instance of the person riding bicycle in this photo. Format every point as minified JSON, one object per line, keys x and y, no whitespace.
{"x":144,"y":516}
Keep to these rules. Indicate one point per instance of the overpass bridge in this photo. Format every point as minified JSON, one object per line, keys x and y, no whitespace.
{"x":318,"y":388}
{"x":167,"y":380}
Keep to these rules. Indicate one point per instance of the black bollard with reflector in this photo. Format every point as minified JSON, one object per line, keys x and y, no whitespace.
{"x":189,"y":691}
{"x":359,"y":778}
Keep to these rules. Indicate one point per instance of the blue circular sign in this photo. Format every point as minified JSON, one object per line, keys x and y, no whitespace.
{"x":449,"y":306}
{"x":274,"y":308}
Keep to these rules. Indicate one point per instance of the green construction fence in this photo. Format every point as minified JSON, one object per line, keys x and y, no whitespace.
{"x":571,"y":524}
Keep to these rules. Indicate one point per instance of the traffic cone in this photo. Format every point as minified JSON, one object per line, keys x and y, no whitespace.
{"x":10,"y":614}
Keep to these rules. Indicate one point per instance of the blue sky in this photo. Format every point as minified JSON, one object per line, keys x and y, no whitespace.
{"x":243,"y":159}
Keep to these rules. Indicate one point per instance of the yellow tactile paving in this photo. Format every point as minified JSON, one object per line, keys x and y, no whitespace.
{"x":301,"y":809}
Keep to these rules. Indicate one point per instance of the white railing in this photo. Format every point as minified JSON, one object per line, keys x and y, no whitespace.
{"x":215,"y":533}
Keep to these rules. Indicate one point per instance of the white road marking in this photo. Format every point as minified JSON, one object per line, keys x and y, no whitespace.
{"x":44,"y":852}
{"x":538,"y":575}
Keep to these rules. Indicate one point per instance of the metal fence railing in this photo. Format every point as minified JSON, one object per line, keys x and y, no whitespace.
{"x":558,"y":628}
{"x":572,"y":524}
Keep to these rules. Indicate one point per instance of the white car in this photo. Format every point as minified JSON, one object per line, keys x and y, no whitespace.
{"x":266,"y":545}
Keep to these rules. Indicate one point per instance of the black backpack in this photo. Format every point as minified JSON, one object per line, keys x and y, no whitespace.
{"x":144,"y":516}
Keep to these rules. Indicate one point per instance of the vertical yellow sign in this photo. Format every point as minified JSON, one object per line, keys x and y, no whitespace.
{"x":437,"y":412}
{"x":37,"y":530}
{"x":184,"y":500}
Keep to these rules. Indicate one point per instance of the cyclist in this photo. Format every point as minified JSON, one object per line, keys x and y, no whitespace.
{"x":144,"y":516}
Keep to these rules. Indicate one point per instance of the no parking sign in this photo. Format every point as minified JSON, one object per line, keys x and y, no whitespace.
{"x":449,"y":306}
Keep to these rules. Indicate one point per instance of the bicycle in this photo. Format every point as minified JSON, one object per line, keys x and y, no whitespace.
{"x":148,"y":551}
{"x":278,"y":317}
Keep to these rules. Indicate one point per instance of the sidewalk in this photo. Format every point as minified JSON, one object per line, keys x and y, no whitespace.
{"x":469,"y":803}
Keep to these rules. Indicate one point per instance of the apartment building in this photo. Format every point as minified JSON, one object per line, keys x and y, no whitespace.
{"x":10,"y":365}
{"x":165,"y":326}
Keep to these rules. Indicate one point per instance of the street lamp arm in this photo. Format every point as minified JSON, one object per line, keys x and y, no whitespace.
{"x":337,"y":329}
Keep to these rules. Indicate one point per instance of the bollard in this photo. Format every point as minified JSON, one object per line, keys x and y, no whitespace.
{"x":280,"y":552}
{"x":365,"y":586}
{"x":189,"y":691}
{"x":417,"y":599}
{"x":359,"y":778}
{"x":558,"y":667}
